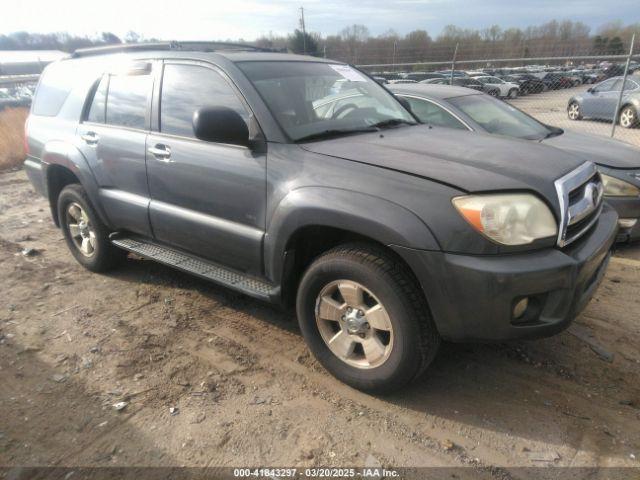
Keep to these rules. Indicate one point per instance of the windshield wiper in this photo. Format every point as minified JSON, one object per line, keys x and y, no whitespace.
{"x":392,"y":122}
{"x":335,"y":132}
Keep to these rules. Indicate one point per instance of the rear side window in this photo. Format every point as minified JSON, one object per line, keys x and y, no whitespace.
{"x":187,"y":88}
{"x":127,"y":100}
{"x":54,"y":88}
{"x":98,"y":108}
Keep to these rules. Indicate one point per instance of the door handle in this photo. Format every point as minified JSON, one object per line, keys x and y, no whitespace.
{"x":90,"y":138}
{"x":161,"y":152}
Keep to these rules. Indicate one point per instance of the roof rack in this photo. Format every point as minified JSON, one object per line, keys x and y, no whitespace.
{"x":172,"y":45}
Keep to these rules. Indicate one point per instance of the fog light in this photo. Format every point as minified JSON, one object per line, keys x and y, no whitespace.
{"x":520,"y":308}
{"x":627,"y":222}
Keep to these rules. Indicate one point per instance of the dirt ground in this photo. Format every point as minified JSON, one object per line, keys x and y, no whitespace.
{"x":247,"y":393}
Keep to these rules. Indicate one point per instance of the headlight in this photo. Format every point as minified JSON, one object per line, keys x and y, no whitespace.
{"x":510,"y":218}
{"x":618,"y":188}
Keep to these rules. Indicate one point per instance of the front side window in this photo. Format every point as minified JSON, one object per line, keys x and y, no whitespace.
{"x":295,"y":93}
{"x":432,"y":114}
{"x":187,"y":88}
{"x":605,"y":86}
{"x":127,"y":100}
{"x":499,"y":117}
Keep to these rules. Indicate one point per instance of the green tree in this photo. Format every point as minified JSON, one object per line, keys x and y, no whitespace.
{"x":615,"y":46}
{"x":303,"y":42}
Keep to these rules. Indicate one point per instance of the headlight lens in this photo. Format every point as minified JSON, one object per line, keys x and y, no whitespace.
{"x":510,"y":218}
{"x":614,"y":187}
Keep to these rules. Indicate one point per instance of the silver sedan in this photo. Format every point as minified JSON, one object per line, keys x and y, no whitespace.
{"x":600,"y":101}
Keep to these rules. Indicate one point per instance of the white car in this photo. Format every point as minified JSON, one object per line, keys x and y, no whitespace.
{"x":499,"y":88}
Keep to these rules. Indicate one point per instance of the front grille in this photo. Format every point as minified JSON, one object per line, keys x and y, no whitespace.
{"x":580,"y":194}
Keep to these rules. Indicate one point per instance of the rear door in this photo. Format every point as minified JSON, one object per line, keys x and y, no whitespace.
{"x":113,"y":135}
{"x":207,"y":198}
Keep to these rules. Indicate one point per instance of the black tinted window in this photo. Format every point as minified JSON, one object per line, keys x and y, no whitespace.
{"x":187,"y":88}
{"x":127,"y":100}
{"x":98,"y":104}
{"x":54,"y":88}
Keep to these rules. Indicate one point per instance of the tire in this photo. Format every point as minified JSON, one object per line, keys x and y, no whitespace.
{"x":513,"y":93}
{"x":574,"y":112}
{"x":494,"y":93}
{"x":406,"y":339}
{"x":628,"y":117}
{"x":86,"y":236}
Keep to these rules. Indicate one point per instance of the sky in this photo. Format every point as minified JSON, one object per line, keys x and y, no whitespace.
{"x":220,"y":20}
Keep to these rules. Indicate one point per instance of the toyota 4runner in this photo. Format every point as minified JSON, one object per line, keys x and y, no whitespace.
{"x":302,"y":181}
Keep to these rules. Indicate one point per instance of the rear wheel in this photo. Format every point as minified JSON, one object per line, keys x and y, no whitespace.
{"x":628,"y":117}
{"x":513,"y":93}
{"x":365,"y":319}
{"x":86,"y":236}
{"x":574,"y":112}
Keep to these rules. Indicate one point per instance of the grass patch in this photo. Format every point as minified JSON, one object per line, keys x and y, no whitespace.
{"x":12,"y":152}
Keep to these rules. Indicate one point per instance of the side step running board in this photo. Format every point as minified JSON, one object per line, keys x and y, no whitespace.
{"x":197,"y":266}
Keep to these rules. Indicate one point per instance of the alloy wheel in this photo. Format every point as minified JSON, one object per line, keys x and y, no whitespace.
{"x":354,"y":324}
{"x":627,"y":117}
{"x":574,"y":111}
{"x":81,"y":230}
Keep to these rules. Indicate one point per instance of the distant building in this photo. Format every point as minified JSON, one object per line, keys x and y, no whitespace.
{"x":27,"y":62}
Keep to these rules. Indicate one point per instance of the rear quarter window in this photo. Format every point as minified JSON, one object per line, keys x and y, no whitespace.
{"x":55,"y":86}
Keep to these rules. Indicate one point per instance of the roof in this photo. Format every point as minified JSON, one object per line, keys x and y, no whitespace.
{"x":431,"y":90}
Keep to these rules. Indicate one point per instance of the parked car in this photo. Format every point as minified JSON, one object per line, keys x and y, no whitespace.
{"x":499,"y":88}
{"x":380,"y":80}
{"x":527,"y":83}
{"x":601,"y":100}
{"x":456,"y":73}
{"x":457,"y":81}
{"x":419,"y":76}
{"x":385,"y":234}
{"x":556,"y":81}
{"x":401,"y":80}
{"x":465,"y":109}
{"x":9,"y":99}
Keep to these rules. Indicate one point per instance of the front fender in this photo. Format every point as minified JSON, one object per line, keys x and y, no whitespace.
{"x":381,"y":220}
{"x":58,"y":153}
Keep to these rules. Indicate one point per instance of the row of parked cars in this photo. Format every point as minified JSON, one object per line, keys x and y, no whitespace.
{"x":388,"y":222}
{"x":507,"y":82}
{"x":16,"y":96}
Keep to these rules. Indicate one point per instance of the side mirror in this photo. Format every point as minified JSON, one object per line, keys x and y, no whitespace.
{"x":405,"y":103}
{"x":220,"y":125}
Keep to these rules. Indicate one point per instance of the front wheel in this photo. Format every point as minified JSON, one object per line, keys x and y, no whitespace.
{"x":513,"y":93}
{"x":86,"y":236}
{"x":574,"y":112}
{"x":628,"y":117}
{"x":365,"y":319}
{"x":494,"y":93}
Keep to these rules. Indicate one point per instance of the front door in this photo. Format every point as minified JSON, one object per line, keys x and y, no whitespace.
{"x":112,"y":138}
{"x":206,"y":198}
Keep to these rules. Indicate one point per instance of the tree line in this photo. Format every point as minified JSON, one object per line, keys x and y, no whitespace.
{"x":355,"y":44}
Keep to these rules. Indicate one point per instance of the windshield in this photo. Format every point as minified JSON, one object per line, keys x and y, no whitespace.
{"x":500,"y":118}
{"x":310,"y":99}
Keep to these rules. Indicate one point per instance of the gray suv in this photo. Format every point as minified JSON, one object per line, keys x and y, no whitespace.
{"x":262,"y":172}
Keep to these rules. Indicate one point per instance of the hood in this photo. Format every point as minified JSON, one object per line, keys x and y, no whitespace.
{"x":473,"y":162}
{"x":601,"y":150}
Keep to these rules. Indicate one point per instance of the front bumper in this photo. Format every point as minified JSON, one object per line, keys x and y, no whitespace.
{"x":472,"y":297}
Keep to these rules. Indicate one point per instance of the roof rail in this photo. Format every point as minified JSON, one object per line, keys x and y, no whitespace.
{"x":172,"y":45}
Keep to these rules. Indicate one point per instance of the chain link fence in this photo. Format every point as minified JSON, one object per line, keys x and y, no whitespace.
{"x":584,"y":93}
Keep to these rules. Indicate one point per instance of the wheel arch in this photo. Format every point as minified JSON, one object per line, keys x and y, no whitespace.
{"x":63,"y":165}
{"x":312,"y":220}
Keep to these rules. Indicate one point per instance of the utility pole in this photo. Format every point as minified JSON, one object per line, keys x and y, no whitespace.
{"x":624,"y":80}
{"x":304,"y":31}
{"x":395,"y":46}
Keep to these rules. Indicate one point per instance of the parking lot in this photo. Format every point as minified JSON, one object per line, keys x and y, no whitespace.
{"x":212,"y":378}
{"x":551,"y":107}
